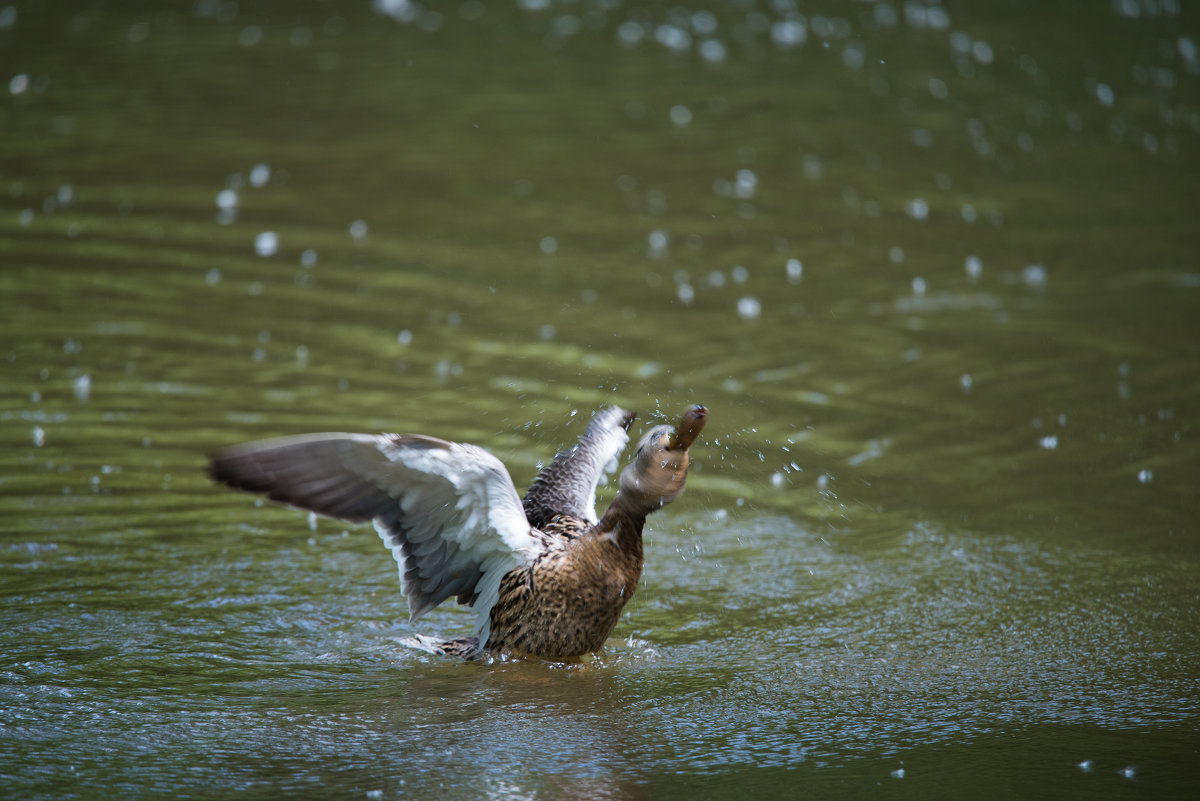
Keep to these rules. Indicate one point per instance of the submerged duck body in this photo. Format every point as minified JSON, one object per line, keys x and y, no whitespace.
{"x":544,"y":576}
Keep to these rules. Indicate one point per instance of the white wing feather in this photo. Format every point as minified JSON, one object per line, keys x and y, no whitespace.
{"x":448,"y":512}
{"x":462,"y":518}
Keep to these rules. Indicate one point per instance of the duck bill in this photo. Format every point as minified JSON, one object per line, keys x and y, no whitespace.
{"x":688,"y":428}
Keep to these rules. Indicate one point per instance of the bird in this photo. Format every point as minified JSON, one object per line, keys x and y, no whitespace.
{"x":544,"y":576}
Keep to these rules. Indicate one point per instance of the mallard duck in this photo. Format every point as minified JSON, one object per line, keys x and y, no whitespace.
{"x":544,"y":576}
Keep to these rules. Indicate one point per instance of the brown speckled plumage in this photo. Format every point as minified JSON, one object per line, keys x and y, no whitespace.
{"x":568,"y":601}
{"x":559,"y":581}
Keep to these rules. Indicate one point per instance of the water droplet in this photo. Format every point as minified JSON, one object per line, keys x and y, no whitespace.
{"x":749,"y":308}
{"x":1145,"y":476}
{"x":630,"y":33}
{"x":1187,"y":52}
{"x":446,"y":369}
{"x":227,"y":199}
{"x":1034,"y":276}
{"x":251,"y":35}
{"x":673,"y":37}
{"x":657,"y":244}
{"x":789,"y":33}
{"x":704,"y":23}
{"x":656,"y":201}
{"x":358,"y":230}
{"x":408,"y":11}
{"x":917,"y":208}
{"x":795,"y":270}
{"x":39,"y":436}
{"x":681,"y":116}
{"x":548,"y":245}
{"x":898,"y":773}
{"x":965,"y":382}
{"x":1049,"y":442}
{"x":812,"y":167}
{"x":82,"y":387}
{"x":266,"y":244}
{"x":745,"y":184}
{"x":260,"y":174}
{"x":712,"y":51}
{"x":974,"y":268}
{"x":982,"y":52}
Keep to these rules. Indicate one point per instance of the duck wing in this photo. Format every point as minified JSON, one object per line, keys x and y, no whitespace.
{"x":568,"y":484}
{"x":448,"y":511}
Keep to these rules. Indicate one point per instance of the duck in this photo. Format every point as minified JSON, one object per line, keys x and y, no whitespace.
{"x":544,"y":576}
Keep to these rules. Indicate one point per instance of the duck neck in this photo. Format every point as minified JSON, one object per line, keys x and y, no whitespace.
{"x":623,"y":527}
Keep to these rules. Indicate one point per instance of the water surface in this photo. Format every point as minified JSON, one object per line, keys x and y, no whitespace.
{"x":932,"y":269}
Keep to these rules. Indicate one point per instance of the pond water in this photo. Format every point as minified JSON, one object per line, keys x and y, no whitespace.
{"x":932,"y":268}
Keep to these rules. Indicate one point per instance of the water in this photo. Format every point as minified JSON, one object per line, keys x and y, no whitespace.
{"x":932,"y":269}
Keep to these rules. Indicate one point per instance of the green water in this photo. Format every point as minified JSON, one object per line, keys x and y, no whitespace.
{"x":933,"y":270}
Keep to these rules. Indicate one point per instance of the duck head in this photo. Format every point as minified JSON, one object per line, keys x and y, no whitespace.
{"x":658,"y":471}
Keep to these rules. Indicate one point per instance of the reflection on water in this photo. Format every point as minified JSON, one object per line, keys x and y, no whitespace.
{"x":932,"y":268}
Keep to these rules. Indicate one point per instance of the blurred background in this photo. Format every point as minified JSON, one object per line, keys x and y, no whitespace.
{"x":931,"y":266}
